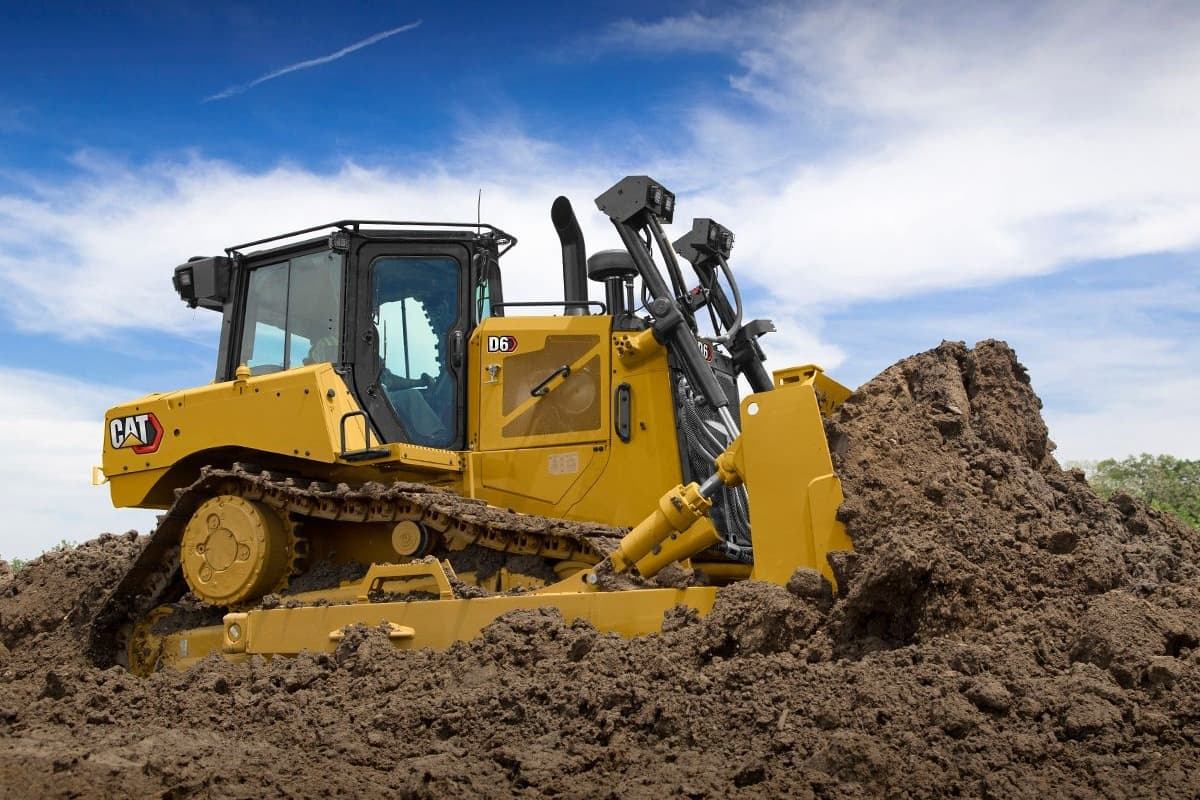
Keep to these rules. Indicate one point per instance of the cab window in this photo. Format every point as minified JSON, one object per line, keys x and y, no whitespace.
{"x":414,"y":308}
{"x":293,"y":314}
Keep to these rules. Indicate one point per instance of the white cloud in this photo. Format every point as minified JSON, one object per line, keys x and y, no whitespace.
{"x":959,"y":143}
{"x":800,"y":336}
{"x":97,"y":253}
{"x":52,"y":431}
{"x":1160,"y":418}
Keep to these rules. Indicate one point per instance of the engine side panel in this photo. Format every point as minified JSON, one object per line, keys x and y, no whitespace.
{"x":293,"y":415}
{"x":559,"y":454}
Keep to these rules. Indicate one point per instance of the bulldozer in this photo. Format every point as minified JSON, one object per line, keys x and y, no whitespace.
{"x":390,"y":442}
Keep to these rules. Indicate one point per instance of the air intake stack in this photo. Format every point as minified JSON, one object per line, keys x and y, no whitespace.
{"x":574,"y":256}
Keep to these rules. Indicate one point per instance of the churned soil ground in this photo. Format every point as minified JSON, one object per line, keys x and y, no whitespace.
{"x":999,"y":632}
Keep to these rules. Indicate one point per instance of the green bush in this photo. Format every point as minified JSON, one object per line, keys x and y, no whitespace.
{"x":1167,"y":483}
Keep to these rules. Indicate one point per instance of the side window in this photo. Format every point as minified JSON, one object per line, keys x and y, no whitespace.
{"x":414,"y":308}
{"x":293,"y":314}
{"x":315,"y":309}
{"x":266,"y":315}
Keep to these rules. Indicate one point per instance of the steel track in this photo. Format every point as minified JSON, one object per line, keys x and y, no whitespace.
{"x":156,"y":577}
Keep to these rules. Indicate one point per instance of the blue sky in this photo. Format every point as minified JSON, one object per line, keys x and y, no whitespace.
{"x":896,"y":173}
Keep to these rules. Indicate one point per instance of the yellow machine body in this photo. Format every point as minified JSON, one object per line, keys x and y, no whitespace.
{"x":782,"y":450}
{"x":288,"y":418}
{"x":555,"y":456}
{"x":562,"y":460}
{"x":572,"y":421}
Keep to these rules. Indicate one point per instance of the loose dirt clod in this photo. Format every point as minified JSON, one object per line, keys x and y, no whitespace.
{"x":1000,"y":632}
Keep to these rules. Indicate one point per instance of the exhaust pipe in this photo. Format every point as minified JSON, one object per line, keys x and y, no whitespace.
{"x":574,"y":256}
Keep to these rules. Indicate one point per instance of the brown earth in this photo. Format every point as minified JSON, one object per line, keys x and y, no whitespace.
{"x":1000,"y":632}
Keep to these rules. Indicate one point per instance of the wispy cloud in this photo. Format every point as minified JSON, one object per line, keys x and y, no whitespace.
{"x":312,"y":62}
{"x":198,"y":206}
{"x":1111,"y":348}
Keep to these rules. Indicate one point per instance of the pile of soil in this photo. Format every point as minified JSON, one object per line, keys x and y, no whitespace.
{"x":999,"y":632}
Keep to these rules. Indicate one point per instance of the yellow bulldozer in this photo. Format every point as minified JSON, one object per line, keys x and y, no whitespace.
{"x":390,"y":442}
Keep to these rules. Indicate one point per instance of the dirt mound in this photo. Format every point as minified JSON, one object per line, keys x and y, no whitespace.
{"x":62,"y":589}
{"x":1000,"y":632}
{"x":959,"y":516}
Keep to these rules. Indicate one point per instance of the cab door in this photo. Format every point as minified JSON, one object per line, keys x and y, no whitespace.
{"x":412,"y":321}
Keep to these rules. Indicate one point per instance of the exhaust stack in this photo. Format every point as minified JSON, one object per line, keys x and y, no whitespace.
{"x":574,"y":256}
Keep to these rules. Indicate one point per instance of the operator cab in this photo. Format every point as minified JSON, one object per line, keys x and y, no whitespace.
{"x":391,"y":309}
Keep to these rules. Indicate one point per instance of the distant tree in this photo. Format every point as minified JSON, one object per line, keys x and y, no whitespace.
{"x":1166,"y":483}
{"x":17,"y":565}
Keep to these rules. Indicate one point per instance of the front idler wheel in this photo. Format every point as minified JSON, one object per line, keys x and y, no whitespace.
{"x":235,"y":550}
